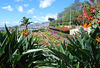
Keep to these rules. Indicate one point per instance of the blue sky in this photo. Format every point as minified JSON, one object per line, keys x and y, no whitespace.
{"x":12,"y":11}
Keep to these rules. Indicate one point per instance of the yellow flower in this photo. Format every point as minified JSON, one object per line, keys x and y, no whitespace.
{"x":98,"y":39}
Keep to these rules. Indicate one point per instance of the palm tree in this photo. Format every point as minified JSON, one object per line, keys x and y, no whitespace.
{"x":25,"y":22}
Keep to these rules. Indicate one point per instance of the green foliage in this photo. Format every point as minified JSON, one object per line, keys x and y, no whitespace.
{"x":63,"y":18}
{"x":19,"y":51}
{"x":84,"y":48}
{"x":25,"y":22}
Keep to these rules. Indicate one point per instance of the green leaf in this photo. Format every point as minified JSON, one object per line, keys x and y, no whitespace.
{"x":61,"y":48}
{"x":3,"y":46}
{"x":86,"y":52}
{"x":78,"y":66}
{"x":46,"y":67}
{"x":60,"y":55}
{"x":20,"y":65}
{"x":93,"y":35}
{"x":31,"y":51}
{"x":8,"y":33}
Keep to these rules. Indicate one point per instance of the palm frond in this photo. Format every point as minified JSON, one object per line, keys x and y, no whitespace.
{"x":22,"y":24}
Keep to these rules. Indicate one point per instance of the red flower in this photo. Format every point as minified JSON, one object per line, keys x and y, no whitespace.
{"x":85,"y":13}
{"x":92,"y":9}
{"x":99,"y":47}
{"x":80,"y":16}
{"x":90,"y":18}
{"x":92,"y":6}
{"x":64,"y":28}
{"x":98,"y":20}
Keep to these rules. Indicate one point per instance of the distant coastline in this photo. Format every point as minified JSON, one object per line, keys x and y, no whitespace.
{"x":31,"y":26}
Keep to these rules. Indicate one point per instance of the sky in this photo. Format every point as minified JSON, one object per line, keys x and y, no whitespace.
{"x":12,"y":11}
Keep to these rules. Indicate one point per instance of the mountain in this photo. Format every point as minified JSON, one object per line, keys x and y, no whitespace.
{"x":43,"y":25}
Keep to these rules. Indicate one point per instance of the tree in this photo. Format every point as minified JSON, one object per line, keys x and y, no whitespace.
{"x":25,"y":22}
{"x":51,"y":19}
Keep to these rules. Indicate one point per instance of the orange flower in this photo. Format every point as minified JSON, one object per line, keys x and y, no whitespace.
{"x":89,"y":25}
{"x":46,"y":44}
{"x":98,"y":39}
{"x":78,"y":34}
{"x":25,"y":32}
{"x":10,"y":29}
{"x":86,"y":25}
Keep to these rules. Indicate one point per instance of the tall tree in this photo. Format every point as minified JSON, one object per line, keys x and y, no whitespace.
{"x":25,"y":22}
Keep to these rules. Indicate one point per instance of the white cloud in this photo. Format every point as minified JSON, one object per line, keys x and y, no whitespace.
{"x":45,"y":18}
{"x":20,"y":8}
{"x":31,"y":11}
{"x":13,"y":23}
{"x":50,"y":16}
{"x":45,"y":3}
{"x":35,"y":17}
{"x":3,"y":23}
{"x":35,"y":21}
{"x":18,"y":0}
{"x":9,"y":8}
{"x":26,"y":5}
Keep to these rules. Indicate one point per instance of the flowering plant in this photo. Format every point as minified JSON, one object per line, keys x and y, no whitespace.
{"x":87,"y":46}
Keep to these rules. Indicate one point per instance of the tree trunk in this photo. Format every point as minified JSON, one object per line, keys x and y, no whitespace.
{"x":26,"y":26}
